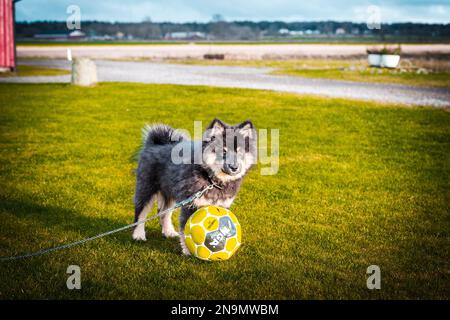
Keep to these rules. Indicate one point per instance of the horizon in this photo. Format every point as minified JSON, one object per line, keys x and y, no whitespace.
{"x":234,"y":21}
{"x":202,"y":11}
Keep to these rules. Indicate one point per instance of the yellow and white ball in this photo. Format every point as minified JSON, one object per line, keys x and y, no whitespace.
{"x":213,"y":233}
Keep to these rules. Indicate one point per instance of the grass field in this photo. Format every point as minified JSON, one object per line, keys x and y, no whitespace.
{"x":359,"y":184}
{"x":414,"y":72}
{"x":28,"y":71}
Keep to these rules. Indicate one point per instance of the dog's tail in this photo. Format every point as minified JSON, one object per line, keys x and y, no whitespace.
{"x":160,"y":134}
{"x":157,"y":134}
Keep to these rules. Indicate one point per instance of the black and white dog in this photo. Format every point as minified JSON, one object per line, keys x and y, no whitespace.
{"x":227,"y":153}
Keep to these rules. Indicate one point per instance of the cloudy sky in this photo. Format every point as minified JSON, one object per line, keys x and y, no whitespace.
{"x":429,"y":11}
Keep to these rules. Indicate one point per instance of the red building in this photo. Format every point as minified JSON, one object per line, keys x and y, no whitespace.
{"x":7,"y":43}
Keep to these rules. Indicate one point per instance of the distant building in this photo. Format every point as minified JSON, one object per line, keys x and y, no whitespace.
{"x":120,"y":35}
{"x":312,"y":32}
{"x":104,"y":37}
{"x":185,"y":35}
{"x":77,"y":35}
{"x":61,"y":35}
{"x":294,"y":33}
{"x":340,"y":31}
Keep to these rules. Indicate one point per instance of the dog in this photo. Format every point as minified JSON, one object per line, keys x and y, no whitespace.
{"x":227,"y":154}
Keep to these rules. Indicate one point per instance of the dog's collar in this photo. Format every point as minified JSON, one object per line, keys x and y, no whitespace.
{"x":216,"y":183}
{"x":218,"y":186}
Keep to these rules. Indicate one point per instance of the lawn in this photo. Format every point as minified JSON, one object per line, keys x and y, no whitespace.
{"x":359,"y":184}
{"x":415,"y":72}
{"x":30,"y":71}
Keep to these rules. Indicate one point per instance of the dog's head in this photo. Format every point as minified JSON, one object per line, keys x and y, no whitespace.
{"x":229,"y":151}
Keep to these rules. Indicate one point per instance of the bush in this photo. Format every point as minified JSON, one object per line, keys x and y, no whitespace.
{"x":384,"y":50}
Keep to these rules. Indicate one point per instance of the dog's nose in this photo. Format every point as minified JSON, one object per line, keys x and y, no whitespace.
{"x":233,"y":167}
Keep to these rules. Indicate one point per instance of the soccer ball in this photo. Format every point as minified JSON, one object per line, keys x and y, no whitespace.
{"x":212,"y":233}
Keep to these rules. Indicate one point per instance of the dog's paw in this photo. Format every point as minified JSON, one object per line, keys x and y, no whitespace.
{"x":185,"y":251}
{"x":170,"y":233}
{"x":139,"y":234}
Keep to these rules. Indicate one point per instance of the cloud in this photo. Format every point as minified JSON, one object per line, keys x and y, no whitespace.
{"x":202,"y":10}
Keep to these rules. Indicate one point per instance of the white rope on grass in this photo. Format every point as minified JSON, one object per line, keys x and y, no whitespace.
{"x":195,"y":196}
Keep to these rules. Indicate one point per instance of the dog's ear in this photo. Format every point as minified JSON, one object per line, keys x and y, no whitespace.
{"x":246,"y":128}
{"x":215,"y":129}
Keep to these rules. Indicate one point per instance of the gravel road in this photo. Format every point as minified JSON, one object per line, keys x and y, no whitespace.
{"x":235,"y":51}
{"x":244,"y":77}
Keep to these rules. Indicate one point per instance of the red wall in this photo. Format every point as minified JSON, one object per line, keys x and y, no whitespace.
{"x":7,"y":48}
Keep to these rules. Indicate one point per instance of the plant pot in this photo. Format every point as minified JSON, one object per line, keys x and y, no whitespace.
{"x":374,"y":59}
{"x":390,"y":60}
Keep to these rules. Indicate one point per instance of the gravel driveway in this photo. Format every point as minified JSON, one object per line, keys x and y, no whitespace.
{"x":234,"y":51}
{"x":244,"y":77}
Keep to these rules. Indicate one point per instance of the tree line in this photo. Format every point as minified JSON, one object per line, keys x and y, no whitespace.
{"x":238,"y":30}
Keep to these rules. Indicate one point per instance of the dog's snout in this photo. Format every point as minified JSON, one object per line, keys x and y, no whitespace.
{"x":232,"y":168}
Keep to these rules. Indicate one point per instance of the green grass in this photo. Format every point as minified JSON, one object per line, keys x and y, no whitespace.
{"x":432,"y":79}
{"x":359,"y":184}
{"x":28,"y":71}
{"x":349,"y":70}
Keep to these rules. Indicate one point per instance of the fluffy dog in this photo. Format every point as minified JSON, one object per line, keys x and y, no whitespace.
{"x":227,"y":153}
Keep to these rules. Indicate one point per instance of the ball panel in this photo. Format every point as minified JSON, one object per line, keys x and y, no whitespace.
{"x":211,"y":223}
{"x":215,"y":241}
{"x":190,"y":245}
{"x":203,"y":252}
{"x":219,"y":256}
{"x":233,"y":217}
{"x":187,"y":227}
{"x":218,"y":211}
{"x":227,"y":227}
{"x":198,"y":234}
{"x":239,"y":233}
{"x":231,"y":244}
{"x":198,"y":216}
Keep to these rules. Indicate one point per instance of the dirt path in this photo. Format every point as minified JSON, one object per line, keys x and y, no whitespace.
{"x":242,"y":51}
{"x":254,"y":78}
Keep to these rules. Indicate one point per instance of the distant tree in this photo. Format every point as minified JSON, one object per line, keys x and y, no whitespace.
{"x":217,"y":18}
{"x":240,"y":30}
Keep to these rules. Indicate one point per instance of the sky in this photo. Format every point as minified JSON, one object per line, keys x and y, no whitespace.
{"x":428,"y":11}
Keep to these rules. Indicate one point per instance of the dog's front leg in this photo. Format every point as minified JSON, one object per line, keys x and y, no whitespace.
{"x":186,"y":212}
